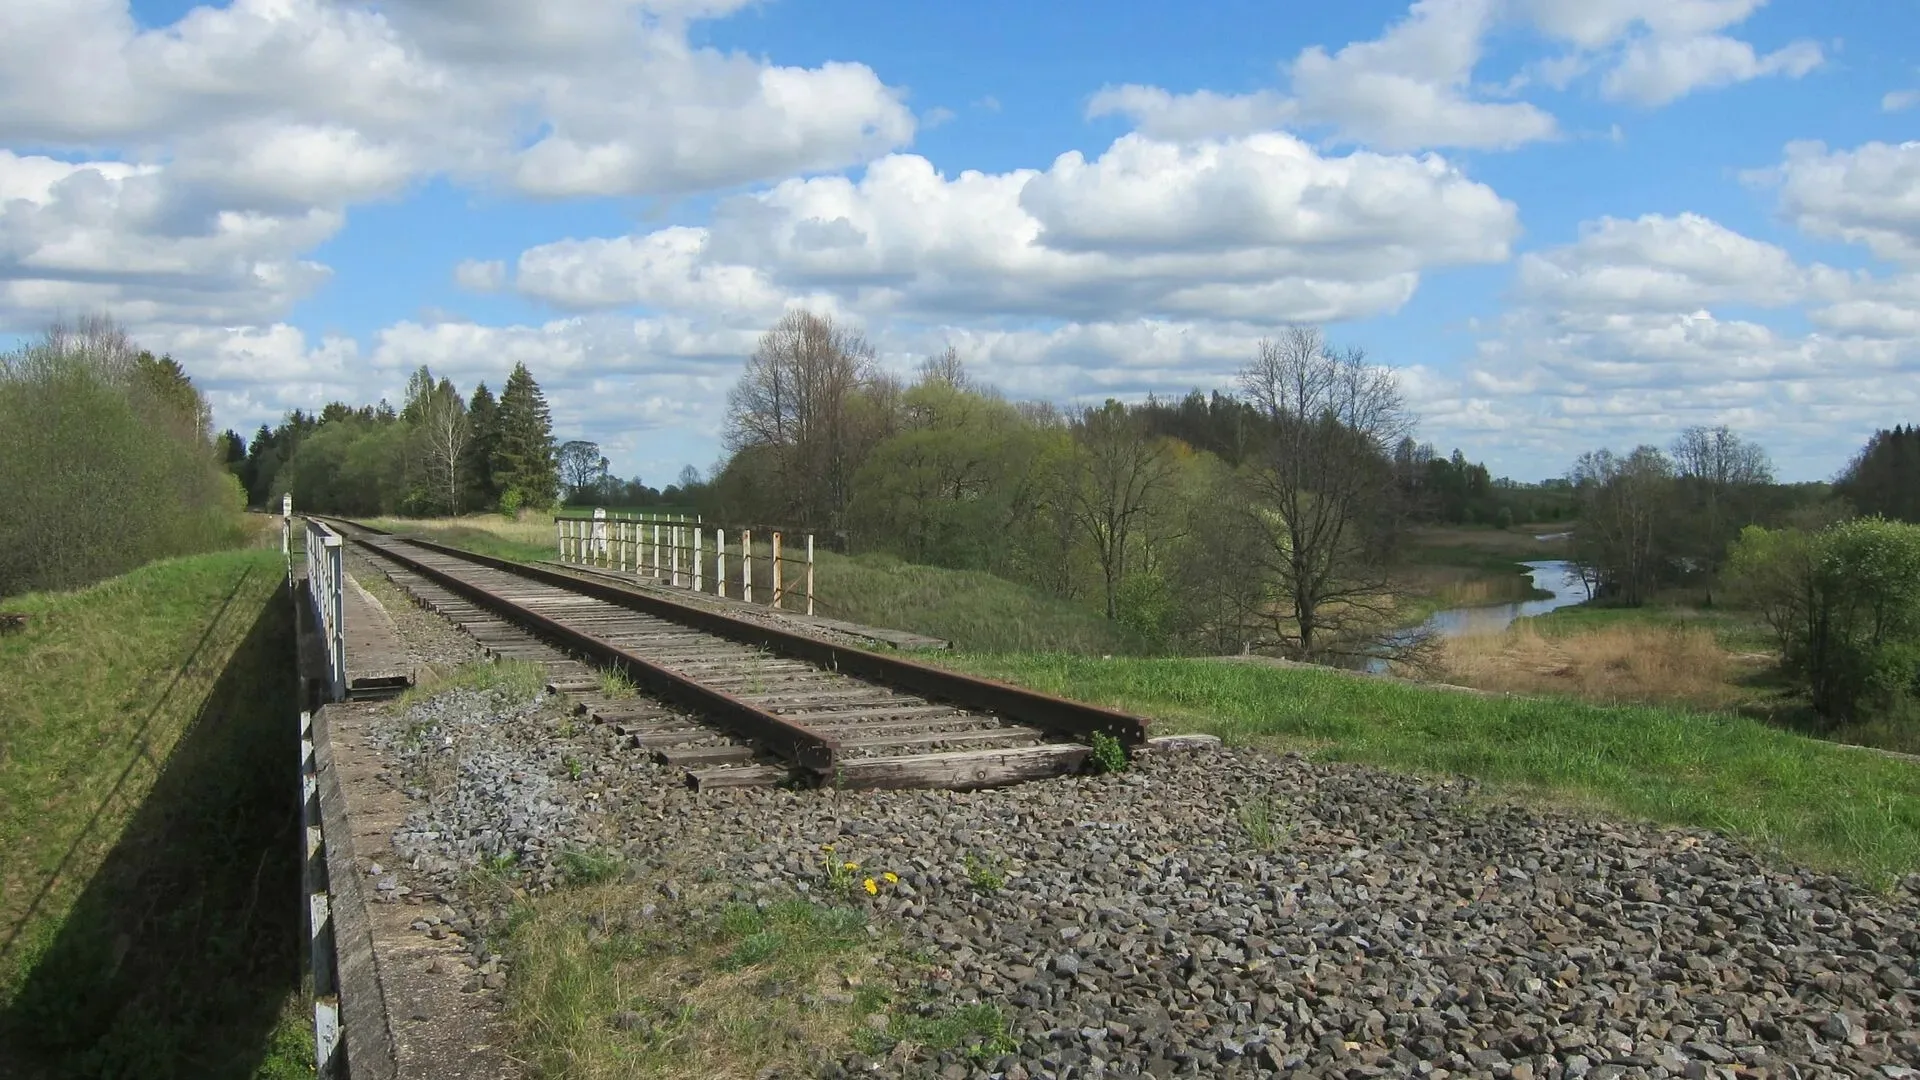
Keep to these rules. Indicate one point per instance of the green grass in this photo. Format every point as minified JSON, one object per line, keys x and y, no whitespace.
{"x":148,"y":862}
{"x":975,"y":610}
{"x":1827,"y":805}
{"x":601,"y":992}
{"x":519,"y":681}
{"x":1739,"y":631}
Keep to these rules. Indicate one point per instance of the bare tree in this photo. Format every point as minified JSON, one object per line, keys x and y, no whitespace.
{"x":1320,"y":483}
{"x":797,"y":399}
{"x":1720,"y":473}
{"x":1116,"y":472}
{"x":1624,"y":504}
{"x":946,"y":367}
{"x":579,"y":466}
{"x":444,"y":431}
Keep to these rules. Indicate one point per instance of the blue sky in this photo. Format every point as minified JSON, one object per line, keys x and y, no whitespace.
{"x":1567,"y":223}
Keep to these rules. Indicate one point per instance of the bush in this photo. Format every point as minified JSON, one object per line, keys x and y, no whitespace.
{"x":1845,"y":606}
{"x":107,"y":463}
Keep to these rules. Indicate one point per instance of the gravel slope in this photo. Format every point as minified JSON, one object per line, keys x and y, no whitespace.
{"x":1378,"y":925}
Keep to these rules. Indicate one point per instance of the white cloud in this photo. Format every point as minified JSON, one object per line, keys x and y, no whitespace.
{"x":1899,"y":100}
{"x":1870,"y":195}
{"x":1260,"y":228}
{"x":299,"y":98}
{"x":1658,"y":51}
{"x":476,"y":275}
{"x":1624,"y":336}
{"x":250,"y":129}
{"x":1660,"y":263}
{"x":1409,"y":89}
{"x":1655,"y":71}
{"x":128,"y":240}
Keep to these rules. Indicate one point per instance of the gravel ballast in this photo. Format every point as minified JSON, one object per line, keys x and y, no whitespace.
{"x":1235,"y":913}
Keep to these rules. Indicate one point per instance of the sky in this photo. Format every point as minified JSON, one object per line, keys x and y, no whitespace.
{"x":1566,"y":224}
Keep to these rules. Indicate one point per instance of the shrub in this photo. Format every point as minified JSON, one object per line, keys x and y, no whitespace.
{"x":107,"y":462}
{"x":1845,"y":606}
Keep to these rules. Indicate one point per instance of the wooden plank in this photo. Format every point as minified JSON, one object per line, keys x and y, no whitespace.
{"x":1161,"y":744}
{"x":733,"y":754}
{"x":731,"y":776}
{"x":957,"y":738}
{"x":963,"y":770}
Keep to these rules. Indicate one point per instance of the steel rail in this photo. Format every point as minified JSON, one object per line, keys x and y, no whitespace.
{"x":1014,"y":703}
{"x":793,"y":741}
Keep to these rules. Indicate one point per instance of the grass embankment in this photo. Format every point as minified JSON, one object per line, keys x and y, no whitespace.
{"x":974,"y":610}
{"x":148,"y":837}
{"x":1828,"y":805}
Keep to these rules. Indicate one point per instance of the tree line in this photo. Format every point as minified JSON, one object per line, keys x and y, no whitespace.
{"x":108,"y":461}
{"x":439,"y":453}
{"x":1264,"y":518}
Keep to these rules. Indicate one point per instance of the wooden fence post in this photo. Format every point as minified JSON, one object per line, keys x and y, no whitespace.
{"x":720,"y":563}
{"x":673,"y":547}
{"x":746,"y":565}
{"x":656,"y":549}
{"x":809,"y":573}
{"x":777,"y":592}
{"x":696,"y":560}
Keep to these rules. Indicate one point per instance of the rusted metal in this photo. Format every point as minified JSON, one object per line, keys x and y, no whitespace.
{"x":792,"y":741}
{"x":1011,"y":702}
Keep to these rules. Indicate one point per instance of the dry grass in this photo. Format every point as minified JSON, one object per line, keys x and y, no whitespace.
{"x":529,"y":530}
{"x":1623,"y":662}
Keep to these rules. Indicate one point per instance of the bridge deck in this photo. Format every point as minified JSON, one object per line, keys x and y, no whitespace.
{"x":378,"y":663}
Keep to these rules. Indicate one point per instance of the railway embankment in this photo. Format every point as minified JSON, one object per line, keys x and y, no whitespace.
{"x":1233,"y":913}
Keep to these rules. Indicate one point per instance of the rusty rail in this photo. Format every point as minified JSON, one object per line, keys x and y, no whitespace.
{"x":1012,"y":702}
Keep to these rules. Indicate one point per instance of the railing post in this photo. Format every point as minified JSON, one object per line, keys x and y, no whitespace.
{"x":746,"y":565}
{"x":720,"y":563}
{"x":777,"y":591}
{"x":337,"y":580}
{"x":656,"y":549}
{"x":696,"y":559}
{"x":809,"y":573}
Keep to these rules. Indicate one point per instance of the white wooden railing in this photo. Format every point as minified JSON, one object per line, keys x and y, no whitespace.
{"x":326,"y":585}
{"x":685,"y":554}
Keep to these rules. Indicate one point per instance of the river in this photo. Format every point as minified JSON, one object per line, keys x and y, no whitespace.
{"x":1554,"y":576}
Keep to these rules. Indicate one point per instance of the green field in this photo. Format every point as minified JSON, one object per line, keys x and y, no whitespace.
{"x":1827,"y":805}
{"x":148,"y":828}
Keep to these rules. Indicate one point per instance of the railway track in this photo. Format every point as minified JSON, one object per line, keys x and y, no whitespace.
{"x":741,"y":701}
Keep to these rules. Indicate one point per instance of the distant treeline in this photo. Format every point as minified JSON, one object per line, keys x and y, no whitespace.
{"x":439,"y":453}
{"x":107,"y":461}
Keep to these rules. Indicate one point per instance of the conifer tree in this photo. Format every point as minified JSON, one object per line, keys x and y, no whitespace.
{"x":523,"y":462}
{"x":483,"y":422}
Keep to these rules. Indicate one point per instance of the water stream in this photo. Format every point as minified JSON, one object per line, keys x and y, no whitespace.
{"x":1556,"y":577}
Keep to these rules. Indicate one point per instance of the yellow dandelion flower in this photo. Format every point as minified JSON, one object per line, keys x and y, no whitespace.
{"x":850,"y":866}
{"x":892,"y":878}
{"x":871,"y":888}
{"x":828,"y":848}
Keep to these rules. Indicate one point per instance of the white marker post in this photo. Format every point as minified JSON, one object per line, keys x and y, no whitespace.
{"x":696,"y":559}
{"x":809,"y":573}
{"x":746,"y":565}
{"x":720,"y":563}
{"x":777,"y":591}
